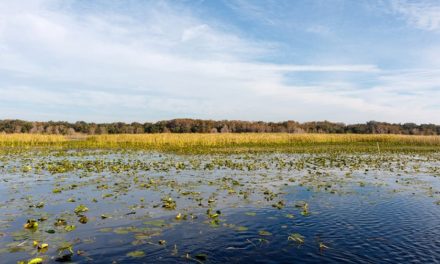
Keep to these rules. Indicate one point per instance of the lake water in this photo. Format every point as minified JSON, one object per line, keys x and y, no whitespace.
{"x":140,"y":207}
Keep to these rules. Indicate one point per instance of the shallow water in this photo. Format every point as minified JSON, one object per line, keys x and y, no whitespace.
{"x":360,"y":209}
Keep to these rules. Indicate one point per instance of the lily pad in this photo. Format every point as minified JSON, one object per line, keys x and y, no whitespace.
{"x":136,"y":254}
{"x":264,"y":233}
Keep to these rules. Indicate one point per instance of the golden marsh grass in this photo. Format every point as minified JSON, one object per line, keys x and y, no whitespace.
{"x":197,"y":142}
{"x":221,"y":140}
{"x":30,"y":139}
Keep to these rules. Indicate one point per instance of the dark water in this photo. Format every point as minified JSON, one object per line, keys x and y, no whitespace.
{"x":397,"y":229}
{"x":394,"y":219}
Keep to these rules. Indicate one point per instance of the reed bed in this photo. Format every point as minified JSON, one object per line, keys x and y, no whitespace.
{"x":229,"y":142}
{"x":15,"y":140}
{"x":269,"y":139}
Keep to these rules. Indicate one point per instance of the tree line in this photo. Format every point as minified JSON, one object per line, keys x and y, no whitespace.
{"x":211,"y":126}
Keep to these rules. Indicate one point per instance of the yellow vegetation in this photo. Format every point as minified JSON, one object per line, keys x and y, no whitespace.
{"x":191,"y":142}
{"x":30,"y":139}
{"x":213,"y":140}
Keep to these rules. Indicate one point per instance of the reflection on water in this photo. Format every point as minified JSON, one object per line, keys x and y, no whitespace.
{"x":238,"y":210}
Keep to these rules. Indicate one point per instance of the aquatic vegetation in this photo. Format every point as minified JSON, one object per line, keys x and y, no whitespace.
{"x":35,"y":261}
{"x":31,"y":224}
{"x":137,"y":199}
{"x":296,"y":237}
{"x":70,"y":228}
{"x":169,"y":203}
{"x":305,"y":211}
{"x":65,"y":247}
{"x":60,"y":222}
{"x":136,"y":254}
{"x":242,"y":228}
{"x":83,"y":219}
{"x":213,"y":215}
{"x":232,"y":143}
{"x":264,"y":233}
{"x":179,"y":216}
{"x":42,"y":247}
{"x":322,"y":246}
{"x":279,"y":205}
{"x":81,"y":209}
{"x":14,"y":140}
{"x":40,"y":205}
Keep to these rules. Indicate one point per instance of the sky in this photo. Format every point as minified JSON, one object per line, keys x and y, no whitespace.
{"x":274,"y":60}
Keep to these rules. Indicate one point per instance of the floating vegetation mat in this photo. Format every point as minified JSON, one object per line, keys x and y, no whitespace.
{"x":128,"y":206}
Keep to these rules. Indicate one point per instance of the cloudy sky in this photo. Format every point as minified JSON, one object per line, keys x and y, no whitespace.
{"x":337,"y":60}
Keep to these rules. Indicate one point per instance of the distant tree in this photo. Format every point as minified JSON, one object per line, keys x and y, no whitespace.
{"x":70,"y":131}
{"x":224,"y":129}
{"x":212,"y":126}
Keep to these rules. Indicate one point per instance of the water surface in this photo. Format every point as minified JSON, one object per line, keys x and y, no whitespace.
{"x":268,"y":208}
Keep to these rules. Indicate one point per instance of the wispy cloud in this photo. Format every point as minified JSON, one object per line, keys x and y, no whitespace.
{"x":168,"y":62}
{"x":421,"y":14}
{"x":263,"y":12}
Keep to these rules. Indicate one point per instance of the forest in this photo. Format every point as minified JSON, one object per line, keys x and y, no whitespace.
{"x":10,"y":126}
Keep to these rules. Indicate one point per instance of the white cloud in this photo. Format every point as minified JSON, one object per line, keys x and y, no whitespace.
{"x":170,"y":64}
{"x":325,"y":68}
{"x":194,"y":32}
{"x":266,"y":12}
{"x":421,"y":14}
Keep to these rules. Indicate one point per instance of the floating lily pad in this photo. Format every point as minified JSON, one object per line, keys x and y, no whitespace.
{"x":136,"y":254}
{"x":264,"y":233}
{"x":241,"y":228}
{"x":81,"y":209}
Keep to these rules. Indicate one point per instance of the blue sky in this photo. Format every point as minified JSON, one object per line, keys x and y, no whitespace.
{"x":103,"y":61}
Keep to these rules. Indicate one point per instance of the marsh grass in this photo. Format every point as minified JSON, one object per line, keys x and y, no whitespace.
{"x":234,"y":143}
{"x":14,"y":140}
